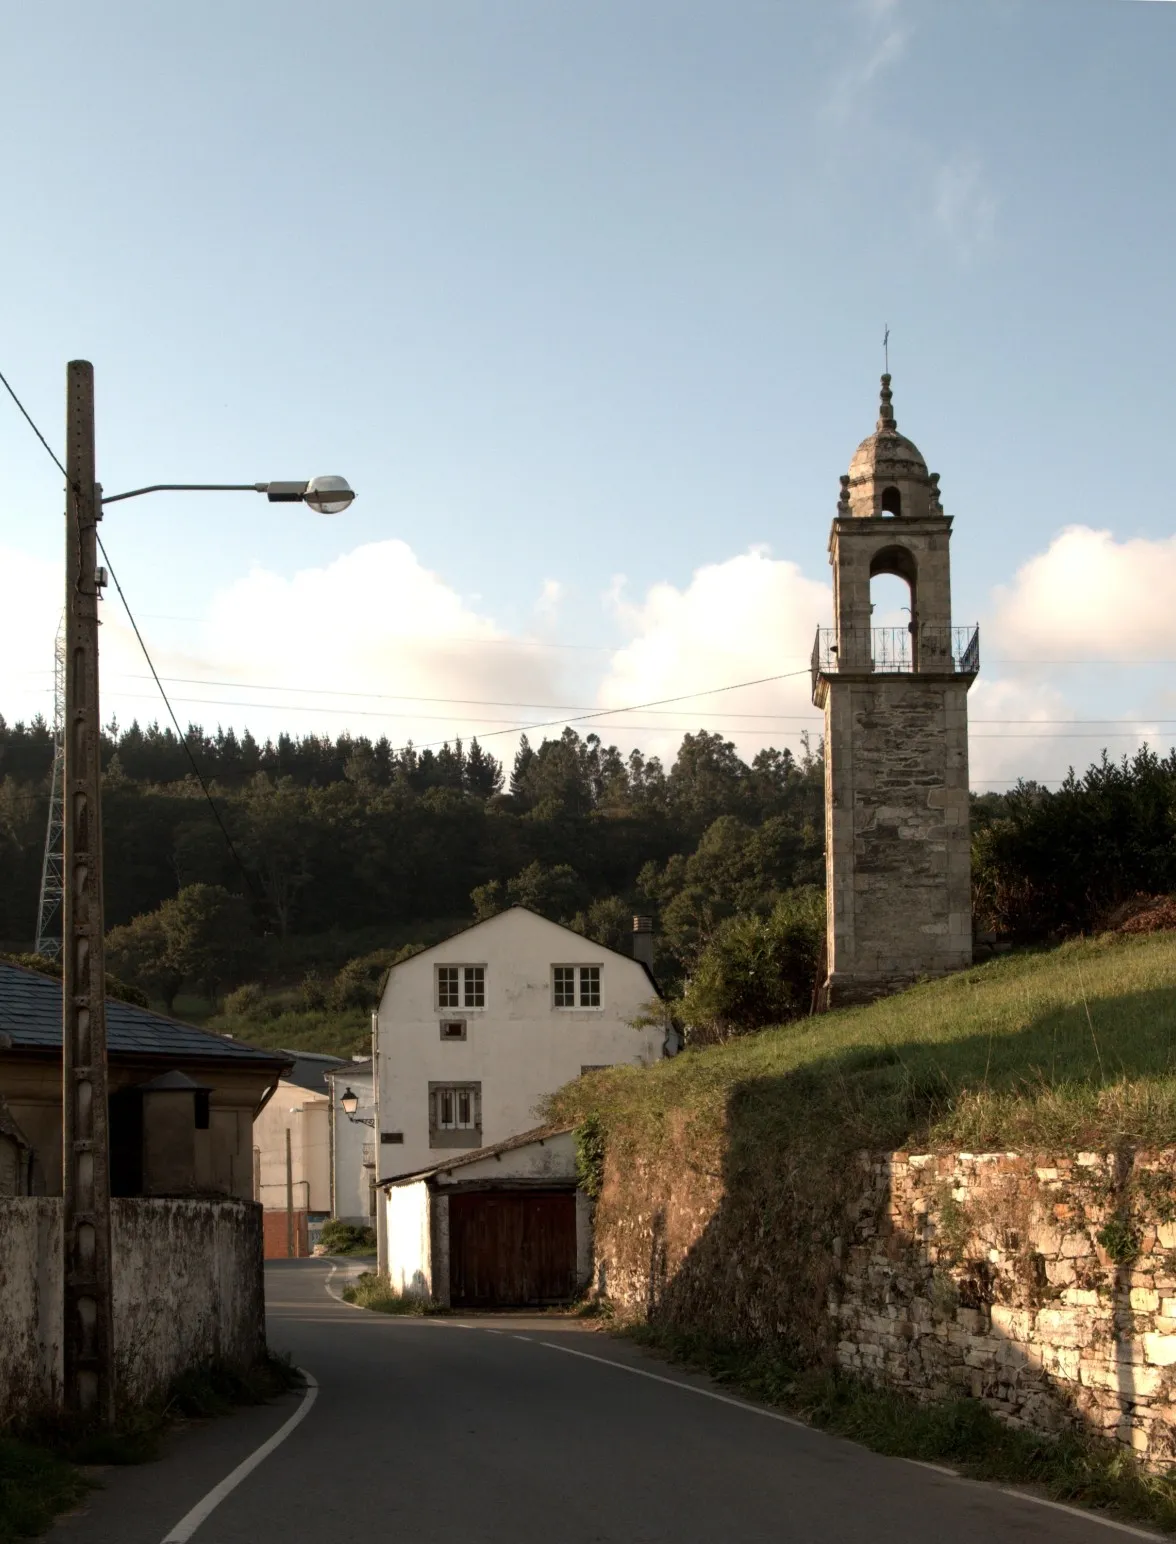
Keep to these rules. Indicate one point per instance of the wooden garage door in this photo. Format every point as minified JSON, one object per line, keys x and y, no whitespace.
{"x":511,"y":1248}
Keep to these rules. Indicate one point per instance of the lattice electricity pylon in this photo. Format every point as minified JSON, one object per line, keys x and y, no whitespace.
{"x":49,"y":916}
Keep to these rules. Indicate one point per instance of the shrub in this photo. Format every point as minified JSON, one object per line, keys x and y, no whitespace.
{"x":756,"y":970}
{"x":374,"y":1290}
{"x":246,"y":1001}
{"x":346,"y":1238}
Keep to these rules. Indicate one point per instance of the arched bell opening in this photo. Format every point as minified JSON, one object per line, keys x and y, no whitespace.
{"x":893,"y":610}
{"x":892,"y":501}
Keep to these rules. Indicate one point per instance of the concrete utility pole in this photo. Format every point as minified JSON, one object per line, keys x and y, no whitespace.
{"x":88,"y":1320}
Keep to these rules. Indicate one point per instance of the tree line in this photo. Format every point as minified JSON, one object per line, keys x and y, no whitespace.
{"x":373,"y":849}
{"x":317,"y":836}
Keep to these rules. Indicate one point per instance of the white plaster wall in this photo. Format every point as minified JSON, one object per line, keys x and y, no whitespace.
{"x":519,"y":1047}
{"x":305,"y":1116}
{"x":410,"y":1253}
{"x":187,"y":1290}
{"x":351,"y":1178}
{"x":551,"y":1158}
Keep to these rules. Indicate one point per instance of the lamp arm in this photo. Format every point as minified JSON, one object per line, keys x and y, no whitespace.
{"x":115,"y":498}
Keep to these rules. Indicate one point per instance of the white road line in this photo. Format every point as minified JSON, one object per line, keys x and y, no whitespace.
{"x":1077,"y":1511}
{"x":674,"y":1383}
{"x":774,"y":1415}
{"x":189,"y":1523}
{"x":771,"y":1415}
{"x":338,"y":1296}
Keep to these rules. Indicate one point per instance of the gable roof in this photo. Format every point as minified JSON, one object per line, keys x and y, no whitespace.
{"x":523,"y":1139}
{"x":582,"y":938}
{"x":30,"y":1019}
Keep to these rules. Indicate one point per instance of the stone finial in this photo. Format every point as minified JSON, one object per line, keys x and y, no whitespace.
{"x":936,"y":502}
{"x":886,"y":418}
{"x":843,"y":500}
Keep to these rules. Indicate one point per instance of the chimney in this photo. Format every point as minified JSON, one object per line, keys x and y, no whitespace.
{"x":643,"y":941}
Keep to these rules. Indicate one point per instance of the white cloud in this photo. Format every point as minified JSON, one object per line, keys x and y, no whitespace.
{"x":749,"y":617}
{"x":965,"y":206}
{"x":548,"y":604}
{"x":878,"y":45}
{"x":348,"y":644}
{"x":1089,"y":596}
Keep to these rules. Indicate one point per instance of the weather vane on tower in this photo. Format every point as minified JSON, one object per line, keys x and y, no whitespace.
{"x":886,"y":347}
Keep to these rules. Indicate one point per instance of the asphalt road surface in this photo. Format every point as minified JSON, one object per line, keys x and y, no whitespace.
{"x":509,"y":1430}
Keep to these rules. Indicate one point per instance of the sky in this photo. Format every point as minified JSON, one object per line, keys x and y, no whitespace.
{"x":587,"y":302}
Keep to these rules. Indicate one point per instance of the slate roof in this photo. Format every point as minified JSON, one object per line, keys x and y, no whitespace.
{"x":30,"y":1019}
{"x":310,"y":1070}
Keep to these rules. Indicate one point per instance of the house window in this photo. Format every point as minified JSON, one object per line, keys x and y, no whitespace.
{"x":461,"y":986}
{"x":455,"y":1115}
{"x":576,"y":986}
{"x":453,"y":1029}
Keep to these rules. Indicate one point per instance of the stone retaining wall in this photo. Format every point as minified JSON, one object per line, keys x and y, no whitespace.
{"x":1044,"y":1285}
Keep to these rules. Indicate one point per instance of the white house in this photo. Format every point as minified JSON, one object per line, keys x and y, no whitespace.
{"x":353,"y":1142}
{"x":474,"y":1033}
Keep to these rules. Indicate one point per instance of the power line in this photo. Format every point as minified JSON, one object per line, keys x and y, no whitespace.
{"x":179,"y":732}
{"x":32,"y":425}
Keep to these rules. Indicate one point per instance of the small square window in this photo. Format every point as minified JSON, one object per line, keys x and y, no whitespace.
{"x":447,"y":986}
{"x":589,"y":986}
{"x":453,"y":1029}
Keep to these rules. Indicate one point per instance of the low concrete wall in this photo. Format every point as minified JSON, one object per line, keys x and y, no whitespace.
{"x":188,"y":1290}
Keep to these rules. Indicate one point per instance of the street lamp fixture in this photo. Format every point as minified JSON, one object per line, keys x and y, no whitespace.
{"x":325,"y":495}
{"x":349,"y":1099}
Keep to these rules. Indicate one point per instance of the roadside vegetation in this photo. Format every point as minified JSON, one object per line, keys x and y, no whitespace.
{"x":43,"y":1466}
{"x":961,"y":1434}
{"x":345,"y":1238}
{"x":375,"y":1291}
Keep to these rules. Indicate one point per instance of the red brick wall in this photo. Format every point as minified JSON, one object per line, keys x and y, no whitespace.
{"x":276,"y":1234}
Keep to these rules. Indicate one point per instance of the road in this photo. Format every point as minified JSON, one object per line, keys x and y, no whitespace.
{"x":510,"y":1430}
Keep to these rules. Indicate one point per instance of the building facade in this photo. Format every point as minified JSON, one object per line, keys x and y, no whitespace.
{"x":897,"y":843}
{"x":292,"y":1154}
{"x":474,"y":1033}
{"x":182,"y":1100}
{"x":353,"y":1143}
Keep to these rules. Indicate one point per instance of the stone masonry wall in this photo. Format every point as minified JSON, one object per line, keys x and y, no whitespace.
{"x":898,"y":857}
{"x":1044,"y":1285}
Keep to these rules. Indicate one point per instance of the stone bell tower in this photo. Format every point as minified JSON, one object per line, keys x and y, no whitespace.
{"x":897,"y":854}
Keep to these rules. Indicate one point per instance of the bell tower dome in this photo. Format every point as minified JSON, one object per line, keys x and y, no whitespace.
{"x":897,"y":856}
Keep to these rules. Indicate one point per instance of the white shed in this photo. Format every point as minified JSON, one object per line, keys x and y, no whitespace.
{"x":502,"y":1227}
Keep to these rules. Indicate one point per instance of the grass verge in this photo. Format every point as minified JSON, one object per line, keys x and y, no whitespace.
{"x":963,"y":1434}
{"x":39,"y":1473}
{"x":35,"y":1486}
{"x":1067,"y":1049}
{"x":375,"y":1291}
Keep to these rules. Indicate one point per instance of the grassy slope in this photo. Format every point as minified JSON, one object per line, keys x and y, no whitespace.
{"x":1073,"y":1048}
